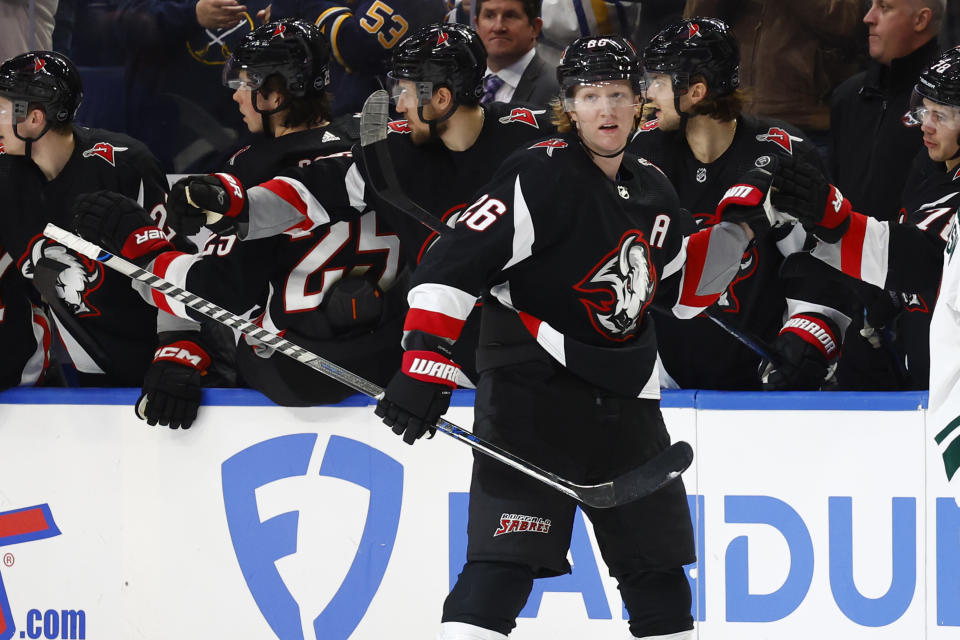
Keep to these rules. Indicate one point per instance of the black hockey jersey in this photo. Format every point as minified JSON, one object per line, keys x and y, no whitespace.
{"x":906,"y":256}
{"x":580,"y":258}
{"x":24,"y":330}
{"x":700,"y":354}
{"x":105,"y":327}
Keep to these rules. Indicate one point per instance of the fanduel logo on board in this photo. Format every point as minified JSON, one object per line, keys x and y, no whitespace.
{"x":274,"y":495}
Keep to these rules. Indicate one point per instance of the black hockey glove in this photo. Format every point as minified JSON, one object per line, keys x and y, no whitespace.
{"x":418,"y":394}
{"x":807,"y":349}
{"x":171,"y":387}
{"x":749,"y":201}
{"x":217,"y":201}
{"x":800,"y":190}
{"x":353,"y":304}
{"x":119,"y":225}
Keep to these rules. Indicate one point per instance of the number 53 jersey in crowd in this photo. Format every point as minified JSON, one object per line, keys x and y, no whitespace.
{"x":580,"y":258}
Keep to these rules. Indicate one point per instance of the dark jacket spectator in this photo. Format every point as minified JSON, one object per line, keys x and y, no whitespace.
{"x":792,"y":53}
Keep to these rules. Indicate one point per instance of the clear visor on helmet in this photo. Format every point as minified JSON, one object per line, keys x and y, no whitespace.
{"x":657,"y":83}
{"x":237,"y":76}
{"x":926,"y":112}
{"x":603,"y":94}
{"x":411,"y":92}
{"x":12,"y":112}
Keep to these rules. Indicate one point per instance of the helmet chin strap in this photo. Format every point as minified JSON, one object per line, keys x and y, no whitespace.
{"x":265,"y":115}
{"x":28,"y":142}
{"x":433,"y":123}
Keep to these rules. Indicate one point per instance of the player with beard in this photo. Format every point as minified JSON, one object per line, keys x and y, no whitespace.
{"x":572,"y":239}
{"x":107,"y":333}
{"x":703,"y":143}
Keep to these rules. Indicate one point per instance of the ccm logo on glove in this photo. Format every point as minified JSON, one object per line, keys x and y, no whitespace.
{"x":183,"y":352}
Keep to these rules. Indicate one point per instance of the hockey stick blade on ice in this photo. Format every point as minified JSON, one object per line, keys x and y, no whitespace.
{"x":630,"y":486}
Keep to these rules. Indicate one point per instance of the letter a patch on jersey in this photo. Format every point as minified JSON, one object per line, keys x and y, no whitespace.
{"x":526,"y":116}
{"x":104,"y":150}
{"x":550,"y":145}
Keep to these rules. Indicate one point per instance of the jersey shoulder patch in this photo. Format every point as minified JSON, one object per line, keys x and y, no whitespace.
{"x":523,"y":115}
{"x":550,"y":145}
{"x":649,"y":125}
{"x":105,"y":151}
{"x":398,"y":126}
{"x":780,"y":137}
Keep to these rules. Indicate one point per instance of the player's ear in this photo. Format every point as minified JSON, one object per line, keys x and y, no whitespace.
{"x":697,"y":92}
{"x":442,"y":98}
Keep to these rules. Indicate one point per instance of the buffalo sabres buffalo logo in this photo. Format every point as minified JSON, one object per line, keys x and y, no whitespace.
{"x":38,"y":64}
{"x":620,"y":287}
{"x":76,"y":276}
{"x":399,"y":126}
{"x":104,"y":150}
{"x":779,"y":137}
{"x":442,"y":38}
{"x":693,"y":30}
{"x":526,"y":116}
{"x":280,"y":30}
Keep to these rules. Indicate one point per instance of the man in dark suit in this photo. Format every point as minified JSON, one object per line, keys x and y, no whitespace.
{"x":515,"y":73}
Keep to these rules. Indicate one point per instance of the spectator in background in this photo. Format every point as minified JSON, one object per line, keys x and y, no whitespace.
{"x":870,"y":160}
{"x":792,"y":55}
{"x":175,"y":103}
{"x":950,"y":32}
{"x":515,"y":73}
{"x":566,"y":20}
{"x":26,"y":25}
{"x":460,"y":13}
{"x":361,"y":35}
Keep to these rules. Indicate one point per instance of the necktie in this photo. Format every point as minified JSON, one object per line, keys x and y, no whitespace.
{"x":491,"y":84}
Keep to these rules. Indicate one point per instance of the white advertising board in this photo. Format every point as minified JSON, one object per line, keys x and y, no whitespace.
{"x":814,"y":512}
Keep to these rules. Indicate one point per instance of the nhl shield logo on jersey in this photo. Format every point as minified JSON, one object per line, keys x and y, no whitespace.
{"x":104,"y":150}
{"x":526,"y":116}
{"x":399,"y":126}
{"x":619,"y":288}
{"x":779,"y":137}
{"x":550,"y":145}
{"x":702,"y":175}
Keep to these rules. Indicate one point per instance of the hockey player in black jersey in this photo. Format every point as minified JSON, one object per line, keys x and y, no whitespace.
{"x":107,"y":333}
{"x":905,"y":256}
{"x":572,"y":240}
{"x":703,"y":144}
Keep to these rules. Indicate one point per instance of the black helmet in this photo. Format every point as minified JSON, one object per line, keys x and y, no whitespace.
{"x":698,"y":46}
{"x":597,"y":59}
{"x":294,"y":49}
{"x":939,"y":83}
{"x":43,"y":78}
{"x":448,"y":55}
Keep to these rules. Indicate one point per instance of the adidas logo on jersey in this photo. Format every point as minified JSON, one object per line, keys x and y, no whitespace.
{"x":328,"y":137}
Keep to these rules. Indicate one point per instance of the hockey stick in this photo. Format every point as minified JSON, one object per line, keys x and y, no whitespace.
{"x":632,"y":485}
{"x":383,"y":179}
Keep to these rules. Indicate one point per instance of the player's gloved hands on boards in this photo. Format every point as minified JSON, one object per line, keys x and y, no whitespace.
{"x":801,"y":190}
{"x":748,"y":201}
{"x":418,"y":394}
{"x":119,"y":225}
{"x":171,"y":387}
{"x":806,"y":350}
{"x":217,"y":201}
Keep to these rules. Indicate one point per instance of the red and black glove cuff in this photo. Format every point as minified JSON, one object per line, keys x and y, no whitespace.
{"x":836,"y":210}
{"x":430,"y":366}
{"x":235,"y":193}
{"x":743,"y":195}
{"x":185,"y":352}
{"x":143,"y":242}
{"x":817,"y":330}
